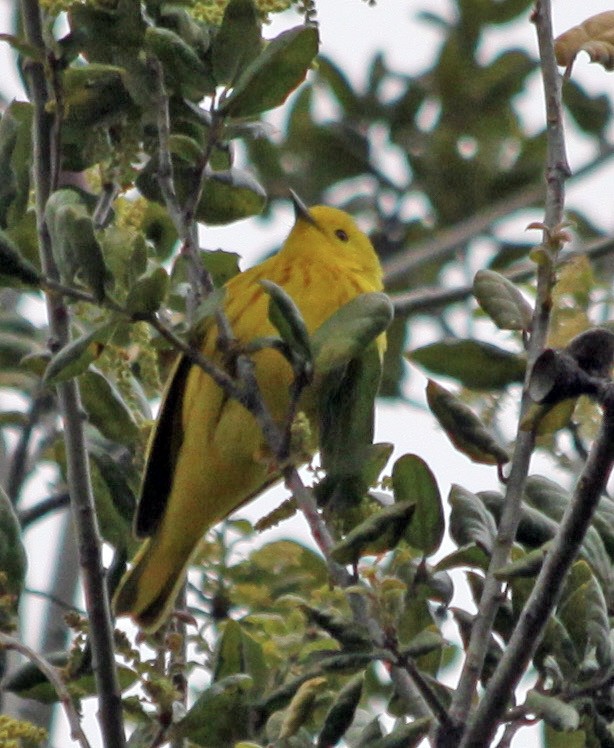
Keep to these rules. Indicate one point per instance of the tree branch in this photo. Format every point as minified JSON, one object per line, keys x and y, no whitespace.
{"x":46,"y":163}
{"x":431,"y":299}
{"x":549,"y":584}
{"x":556,"y":172}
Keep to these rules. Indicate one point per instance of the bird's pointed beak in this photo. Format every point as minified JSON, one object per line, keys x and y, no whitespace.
{"x":301,"y":211}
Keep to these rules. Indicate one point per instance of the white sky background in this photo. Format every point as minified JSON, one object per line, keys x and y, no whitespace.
{"x":351,"y":33}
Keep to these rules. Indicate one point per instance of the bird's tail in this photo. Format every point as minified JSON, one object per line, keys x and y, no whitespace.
{"x":148,"y":590}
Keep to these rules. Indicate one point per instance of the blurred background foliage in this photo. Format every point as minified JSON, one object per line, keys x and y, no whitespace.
{"x":431,"y":164}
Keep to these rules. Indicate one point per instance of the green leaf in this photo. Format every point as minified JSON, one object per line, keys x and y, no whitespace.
{"x":551,"y":500}
{"x":347,"y":332}
{"x":29,"y":683}
{"x":477,"y":365}
{"x":352,"y":636}
{"x":414,"y":620}
{"x":546,"y":495}
{"x":555,"y":712}
{"x":220,"y":715}
{"x":556,"y":650}
{"x":18,"y":343}
{"x":108,"y":33}
{"x":13,"y":559}
{"x":206,"y":310}
{"x":301,"y":707}
{"x":76,"y":250}
{"x":75,"y":357}
{"x":471,"y":555}
{"x":603,"y":522}
{"x":221,"y":265}
{"x":412,"y":480}
{"x":463,"y":427}
{"x":576,"y":739}
{"x":15,"y":159}
{"x":470,"y":521}
{"x":378,"y":533}
{"x":158,"y":228}
{"x":584,"y":613}
{"x":592,"y":113}
{"x":339,"y":85}
{"x":286,"y":317}
{"x":185,"y":147}
{"x":534,"y":529}
{"x":283,"y":567}
{"x":238,"y":41}
{"x":115,"y":498}
{"x":375,"y":458}
{"x":370,"y":734}
{"x":405,"y":735}
{"x":94,"y":94}
{"x":14,"y":267}
{"x":106,"y":409}
{"x":502,"y":301}
{"x":229,"y":196}
{"x":274,"y":74}
{"x":426,"y":641}
{"x":341,"y":713}
{"x":502,"y":12}
{"x":528,"y":565}
{"x":346,"y":405}
{"x":238,"y":652}
{"x":148,"y":293}
{"x":184,"y":71}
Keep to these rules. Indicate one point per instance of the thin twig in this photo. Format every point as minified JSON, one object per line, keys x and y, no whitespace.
{"x":57,"y":601}
{"x":19,"y":458}
{"x":165,"y":172}
{"x":323,"y":538}
{"x":44,"y":507}
{"x":52,"y":674}
{"x":219,"y":376}
{"x":107,"y":196}
{"x":410,"y":689}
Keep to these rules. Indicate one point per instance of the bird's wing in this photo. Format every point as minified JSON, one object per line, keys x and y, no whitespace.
{"x":162,"y":453}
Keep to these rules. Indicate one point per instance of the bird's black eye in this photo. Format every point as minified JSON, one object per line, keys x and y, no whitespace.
{"x":341,"y":234}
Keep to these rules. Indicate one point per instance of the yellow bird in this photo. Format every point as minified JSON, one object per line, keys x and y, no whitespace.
{"x":205,"y":456}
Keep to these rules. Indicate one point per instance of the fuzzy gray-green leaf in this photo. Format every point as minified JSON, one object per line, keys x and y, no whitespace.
{"x":347,"y":332}
{"x":502,"y":301}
